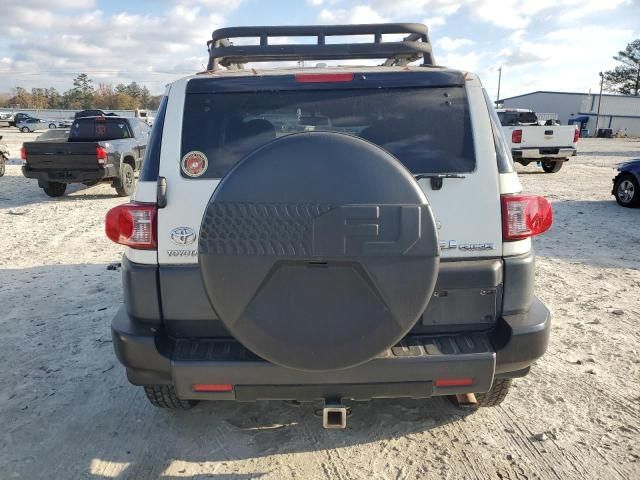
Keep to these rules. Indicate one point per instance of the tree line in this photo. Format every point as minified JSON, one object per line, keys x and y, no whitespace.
{"x":83,"y":95}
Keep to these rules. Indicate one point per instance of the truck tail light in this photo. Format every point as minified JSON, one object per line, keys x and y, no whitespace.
{"x":133,"y":225}
{"x":324,"y":77}
{"x":576,"y":135}
{"x":101,"y":155}
{"x":23,"y":153}
{"x":516,"y":136}
{"x":525,"y":216}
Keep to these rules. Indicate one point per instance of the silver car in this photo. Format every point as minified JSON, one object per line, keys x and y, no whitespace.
{"x":33,"y":124}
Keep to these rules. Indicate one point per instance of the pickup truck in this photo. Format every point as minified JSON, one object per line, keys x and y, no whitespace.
{"x":550,"y":144}
{"x":98,"y":149}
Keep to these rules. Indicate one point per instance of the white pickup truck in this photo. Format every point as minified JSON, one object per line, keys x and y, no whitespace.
{"x":531,"y":140}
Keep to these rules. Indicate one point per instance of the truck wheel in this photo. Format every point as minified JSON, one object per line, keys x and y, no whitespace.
{"x":24,"y":129}
{"x":627,"y":190}
{"x":126,"y":183}
{"x":496,"y":395}
{"x":551,"y":167}
{"x":55,"y":189}
{"x":164,"y":396}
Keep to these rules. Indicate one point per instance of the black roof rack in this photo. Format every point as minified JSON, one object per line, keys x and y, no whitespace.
{"x":222,"y":52}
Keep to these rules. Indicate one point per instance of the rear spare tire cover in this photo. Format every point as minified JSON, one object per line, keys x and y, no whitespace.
{"x":319,"y":251}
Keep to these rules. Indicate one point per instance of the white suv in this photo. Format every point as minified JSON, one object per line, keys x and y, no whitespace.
{"x":328,"y":233}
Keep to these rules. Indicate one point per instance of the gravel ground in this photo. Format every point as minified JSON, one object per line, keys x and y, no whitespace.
{"x":67,"y":411}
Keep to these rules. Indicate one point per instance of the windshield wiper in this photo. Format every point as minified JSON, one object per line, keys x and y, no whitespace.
{"x":437,"y":178}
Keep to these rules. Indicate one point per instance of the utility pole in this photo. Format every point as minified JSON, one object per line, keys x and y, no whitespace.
{"x":499,"y":80}
{"x":599,"y":103}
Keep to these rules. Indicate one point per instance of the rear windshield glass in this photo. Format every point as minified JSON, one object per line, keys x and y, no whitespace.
{"x":517,"y":118}
{"x":427,"y":129}
{"x":96,"y":129}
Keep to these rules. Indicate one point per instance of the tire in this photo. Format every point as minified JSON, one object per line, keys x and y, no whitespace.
{"x":270,"y":298}
{"x":164,"y":396}
{"x":2,"y":166}
{"x":127,"y":182}
{"x":55,"y":189}
{"x":496,"y":395}
{"x":24,"y":129}
{"x":52,"y":125}
{"x":627,"y":190}
{"x":552,"y":167}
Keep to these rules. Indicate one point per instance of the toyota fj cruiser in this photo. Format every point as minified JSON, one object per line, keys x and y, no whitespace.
{"x":327,"y":233}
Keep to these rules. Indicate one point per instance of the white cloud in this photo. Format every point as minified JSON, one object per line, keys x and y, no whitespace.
{"x":467,"y":62}
{"x":447,"y":43}
{"x":434,"y":22}
{"x":357,"y":14}
{"x":51,"y":47}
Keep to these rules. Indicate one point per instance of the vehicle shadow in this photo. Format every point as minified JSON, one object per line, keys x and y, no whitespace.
{"x":99,"y":426}
{"x":18,"y":191}
{"x":629,"y":154}
{"x":598,"y":232}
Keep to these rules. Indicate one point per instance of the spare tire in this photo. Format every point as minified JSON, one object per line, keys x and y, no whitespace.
{"x":319,"y":251}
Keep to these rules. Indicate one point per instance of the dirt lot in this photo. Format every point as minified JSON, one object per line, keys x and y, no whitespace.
{"x":66,"y":410}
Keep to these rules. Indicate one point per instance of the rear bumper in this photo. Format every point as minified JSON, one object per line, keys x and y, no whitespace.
{"x":70,"y":176}
{"x":409,"y":369}
{"x":535,"y":153}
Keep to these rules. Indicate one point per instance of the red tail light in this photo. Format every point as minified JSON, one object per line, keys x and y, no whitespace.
{"x":516,"y":136}
{"x":454,"y":382}
{"x":525,"y":216}
{"x":23,"y":153}
{"x":133,"y":225}
{"x":576,"y":135}
{"x":101,"y":155}
{"x":212,"y":387}
{"x":324,"y":77}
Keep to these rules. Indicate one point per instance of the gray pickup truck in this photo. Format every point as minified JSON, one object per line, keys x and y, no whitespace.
{"x":99,"y":149}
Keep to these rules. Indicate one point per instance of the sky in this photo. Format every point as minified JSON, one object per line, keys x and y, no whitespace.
{"x":541,"y":44}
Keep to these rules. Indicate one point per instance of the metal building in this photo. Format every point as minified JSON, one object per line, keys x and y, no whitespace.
{"x":621,"y":113}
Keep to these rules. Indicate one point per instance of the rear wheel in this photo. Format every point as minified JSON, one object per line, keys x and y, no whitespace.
{"x":551,"y":167}
{"x":492,"y":398}
{"x":55,"y":189}
{"x":126,"y":182}
{"x":627,"y":190}
{"x":496,"y":395}
{"x":164,"y":396}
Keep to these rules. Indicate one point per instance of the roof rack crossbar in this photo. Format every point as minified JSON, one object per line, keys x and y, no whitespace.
{"x":222,"y":52}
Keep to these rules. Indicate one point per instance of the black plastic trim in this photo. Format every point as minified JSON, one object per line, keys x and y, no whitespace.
{"x":70,"y":176}
{"x":519,"y":283}
{"x":518,"y":340}
{"x":366,"y":80}
{"x":522,"y":338}
{"x":141,"y":293}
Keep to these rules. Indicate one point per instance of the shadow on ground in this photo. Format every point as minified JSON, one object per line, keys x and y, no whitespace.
{"x":65,"y":397}
{"x":600,"y":233}
{"x":17,"y":191}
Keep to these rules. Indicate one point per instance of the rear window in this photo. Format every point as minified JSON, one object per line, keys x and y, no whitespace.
{"x":427,"y":129}
{"x":517,"y":118}
{"x":98,"y":129}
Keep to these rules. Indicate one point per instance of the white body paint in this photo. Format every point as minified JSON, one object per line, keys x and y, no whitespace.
{"x":467,"y":210}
